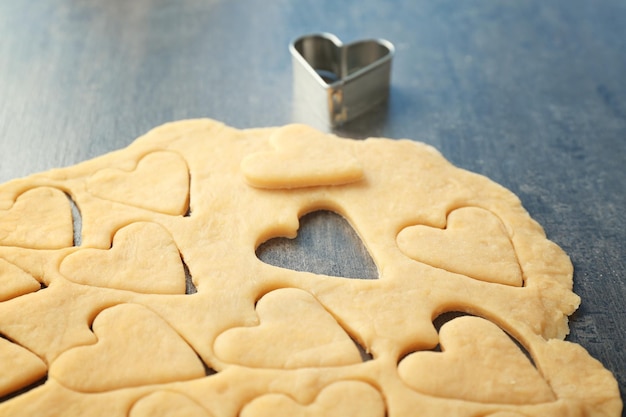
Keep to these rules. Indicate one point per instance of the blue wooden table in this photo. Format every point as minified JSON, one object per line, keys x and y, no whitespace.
{"x":531,"y":94}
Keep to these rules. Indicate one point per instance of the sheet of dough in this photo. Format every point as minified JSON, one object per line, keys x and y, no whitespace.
{"x":108,"y":321}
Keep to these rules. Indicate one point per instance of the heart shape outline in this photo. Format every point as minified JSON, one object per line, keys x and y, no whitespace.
{"x":39,"y":218}
{"x":294,"y":331}
{"x":167,"y":403}
{"x":15,"y":281}
{"x":347,"y":79}
{"x":478,"y":362}
{"x":340,"y":398}
{"x":136,"y":187}
{"x":474,"y":243}
{"x":135,"y":361}
{"x":20,"y":367}
{"x":143,"y":258}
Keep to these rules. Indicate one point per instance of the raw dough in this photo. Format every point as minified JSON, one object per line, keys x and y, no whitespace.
{"x":143,"y":258}
{"x":107,"y":317}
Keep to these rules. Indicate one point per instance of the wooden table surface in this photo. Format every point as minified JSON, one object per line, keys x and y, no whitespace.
{"x":531,"y":94}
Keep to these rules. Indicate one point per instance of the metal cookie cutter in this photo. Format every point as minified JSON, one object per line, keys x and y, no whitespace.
{"x":343,"y":81}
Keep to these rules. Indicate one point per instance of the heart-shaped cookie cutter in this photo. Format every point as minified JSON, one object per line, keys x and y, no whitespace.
{"x":344,"y":81}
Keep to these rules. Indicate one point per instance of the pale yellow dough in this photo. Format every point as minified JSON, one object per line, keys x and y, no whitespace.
{"x":111,"y":325}
{"x":19,"y":367}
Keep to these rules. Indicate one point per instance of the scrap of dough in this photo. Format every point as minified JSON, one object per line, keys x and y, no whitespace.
{"x":294,"y":332}
{"x":41,"y":218}
{"x":19,"y":367}
{"x":135,"y":347}
{"x":474,"y":243}
{"x":341,"y":399}
{"x":15,"y":282}
{"x":478,"y":362}
{"x":143,"y":258}
{"x":303,"y":157}
{"x":167,"y":404}
{"x":160,"y":182}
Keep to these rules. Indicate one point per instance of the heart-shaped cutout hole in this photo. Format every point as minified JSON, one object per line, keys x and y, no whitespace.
{"x":326,"y":245}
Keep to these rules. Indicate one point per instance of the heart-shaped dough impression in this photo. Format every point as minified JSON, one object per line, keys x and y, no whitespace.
{"x":295,"y":332}
{"x":20,"y":367}
{"x":478,"y":362}
{"x":40,"y":218}
{"x":143,"y":258}
{"x":15,"y":282}
{"x":304,"y":157}
{"x":166,"y":404}
{"x":474,"y":243}
{"x":135,"y":347}
{"x":160,"y":182}
{"x":341,"y":399}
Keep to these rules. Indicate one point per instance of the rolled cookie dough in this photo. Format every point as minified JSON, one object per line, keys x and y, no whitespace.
{"x":159,"y":301}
